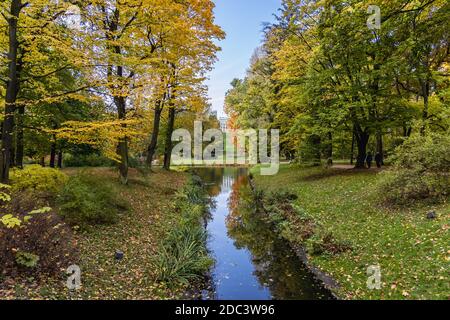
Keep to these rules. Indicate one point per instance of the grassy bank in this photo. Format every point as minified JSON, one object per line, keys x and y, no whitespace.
{"x":338,"y":218}
{"x":141,"y":232}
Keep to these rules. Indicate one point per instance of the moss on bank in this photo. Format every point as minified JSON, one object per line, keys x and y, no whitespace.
{"x":340,"y":207}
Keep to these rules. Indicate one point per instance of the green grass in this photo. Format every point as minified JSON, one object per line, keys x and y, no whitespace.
{"x":413,"y":252}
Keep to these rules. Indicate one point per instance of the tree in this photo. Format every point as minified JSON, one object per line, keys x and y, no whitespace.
{"x":39,"y":47}
{"x":184,"y":60}
{"x":323,"y":76}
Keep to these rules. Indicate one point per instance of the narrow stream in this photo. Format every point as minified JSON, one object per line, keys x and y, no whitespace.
{"x":252,"y":262}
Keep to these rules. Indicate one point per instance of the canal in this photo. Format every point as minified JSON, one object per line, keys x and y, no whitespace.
{"x":251,"y":261}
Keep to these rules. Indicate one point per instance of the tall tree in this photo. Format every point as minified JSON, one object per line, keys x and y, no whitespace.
{"x":39,"y":45}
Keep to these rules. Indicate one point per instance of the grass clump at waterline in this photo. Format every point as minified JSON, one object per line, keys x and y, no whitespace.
{"x":183,"y":257}
{"x":342,"y":208}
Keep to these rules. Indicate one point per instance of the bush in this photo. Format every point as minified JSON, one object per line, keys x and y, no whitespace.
{"x":37,"y":178}
{"x":421,"y":170}
{"x":86,"y":200}
{"x":89,"y":160}
{"x":94,"y":160}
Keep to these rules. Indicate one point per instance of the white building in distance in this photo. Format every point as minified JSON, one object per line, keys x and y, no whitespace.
{"x":223,"y":123}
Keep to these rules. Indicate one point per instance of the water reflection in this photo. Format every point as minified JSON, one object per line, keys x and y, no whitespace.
{"x":251,"y":261}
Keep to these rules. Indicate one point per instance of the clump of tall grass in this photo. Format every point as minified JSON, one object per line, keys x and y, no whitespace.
{"x":183,"y":256}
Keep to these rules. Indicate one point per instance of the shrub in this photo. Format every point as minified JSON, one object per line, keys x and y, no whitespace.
{"x":37,"y":178}
{"x":27,"y":259}
{"x":95,"y":160}
{"x":87,"y":160}
{"x":86,"y":200}
{"x":310,"y":154}
{"x":421,"y":170}
{"x":282,"y":196}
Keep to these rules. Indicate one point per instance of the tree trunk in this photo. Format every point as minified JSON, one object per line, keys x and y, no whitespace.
{"x":315,"y":145}
{"x":425,"y":95}
{"x":122,"y":148}
{"x":380,"y":146}
{"x":329,"y":148}
{"x":151,"y":150}
{"x":123,"y":166}
{"x":43,"y":161}
{"x":168,"y":145}
{"x":352,"y":156}
{"x":362,"y":139}
{"x":12,"y":90}
{"x":19,"y":137}
{"x":53,"y":155}
{"x":12,"y":160}
{"x":407,"y":131}
{"x":60,"y":159}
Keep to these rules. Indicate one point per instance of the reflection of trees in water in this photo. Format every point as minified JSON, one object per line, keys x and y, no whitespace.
{"x":277,"y":267}
{"x":219,"y":179}
{"x":212,"y":178}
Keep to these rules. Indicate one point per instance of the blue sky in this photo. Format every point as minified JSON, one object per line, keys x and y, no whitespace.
{"x":242,"y":20}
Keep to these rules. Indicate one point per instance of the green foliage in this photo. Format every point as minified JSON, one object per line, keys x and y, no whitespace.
{"x":9,"y":220}
{"x":94,"y":160}
{"x":322,"y":77}
{"x":86,"y":200}
{"x":410,"y":249}
{"x":27,"y":259}
{"x":195,"y":193}
{"x":29,"y":236}
{"x":310,"y":151}
{"x":421,"y":170}
{"x":297,"y":225}
{"x":183,"y":256}
{"x":5,"y":197}
{"x":87,"y":160}
{"x":324,"y":243}
{"x":37,"y":178}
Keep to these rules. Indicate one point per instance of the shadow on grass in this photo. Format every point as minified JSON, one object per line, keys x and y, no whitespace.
{"x":334,"y":172}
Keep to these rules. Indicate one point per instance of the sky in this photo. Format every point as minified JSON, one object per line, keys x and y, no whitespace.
{"x":242,"y":20}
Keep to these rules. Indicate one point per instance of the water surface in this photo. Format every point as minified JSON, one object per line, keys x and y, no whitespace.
{"x":252,"y":262}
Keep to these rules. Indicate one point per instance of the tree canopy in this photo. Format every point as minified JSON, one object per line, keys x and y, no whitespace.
{"x":325,"y":78}
{"x":99,"y":73}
